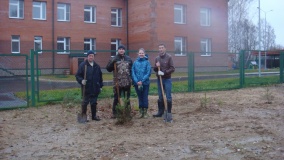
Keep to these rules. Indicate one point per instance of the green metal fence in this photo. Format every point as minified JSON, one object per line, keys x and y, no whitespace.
{"x":42,"y":73}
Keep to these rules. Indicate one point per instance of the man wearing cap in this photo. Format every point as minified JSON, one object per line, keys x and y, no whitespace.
{"x":112,"y":66}
{"x":89,"y":76}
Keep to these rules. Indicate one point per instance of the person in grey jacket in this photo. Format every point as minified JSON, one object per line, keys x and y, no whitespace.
{"x":164,"y":67}
{"x":91,"y":85}
{"x":141,"y":72}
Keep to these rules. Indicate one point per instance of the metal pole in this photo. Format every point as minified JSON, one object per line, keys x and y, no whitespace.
{"x":259,"y":42}
{"x":265,"y":47}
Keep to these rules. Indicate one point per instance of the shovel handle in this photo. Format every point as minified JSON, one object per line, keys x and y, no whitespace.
{"x":116,"y":84}
{"x":162,"y":88}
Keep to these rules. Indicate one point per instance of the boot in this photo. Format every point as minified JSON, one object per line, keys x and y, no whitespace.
{"x":169,"y":105}
{"x":145,"y":113}
{"x":141,"y":112}
{"x":94,"y":112}
{"x":161,"y":109}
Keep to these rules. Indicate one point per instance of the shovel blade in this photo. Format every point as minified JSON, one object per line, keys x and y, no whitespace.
{"x":168,"y":117}
{"x":81,"y":118}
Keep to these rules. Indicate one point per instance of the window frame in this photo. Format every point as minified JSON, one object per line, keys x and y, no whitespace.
{"x":66,"y":44}
{"x":205,"y":17}
{"x":116,"y":42}
{"x":92,"y":13}
{"x":182,"y":46}
{"x":16,"y":39}
{"x":208,"y":46}
{"x":39,"y":40}
{"x":66,"y":8}
{"x":20,"y":11}
{"x":42,"y":10}
{"x":182,"y":9}
{"x":117,"y":12}
{"x":92,"y":44}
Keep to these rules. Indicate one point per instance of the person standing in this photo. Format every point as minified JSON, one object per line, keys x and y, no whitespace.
{"x":164,"y":67}
{"x":121,"y":66}
{"x":141,"y":72}
{"x":89,"y":76}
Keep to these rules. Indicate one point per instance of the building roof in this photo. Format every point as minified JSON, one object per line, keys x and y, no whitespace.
{"x":268,"y":53}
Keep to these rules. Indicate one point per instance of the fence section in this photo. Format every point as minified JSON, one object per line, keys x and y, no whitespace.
{"x":14,"y":81}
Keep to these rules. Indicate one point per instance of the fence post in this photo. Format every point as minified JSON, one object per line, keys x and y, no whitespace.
{"x":32,"y":78}
{"x":281,"y":59}
{"x":190,"y":69}
{"x":242,"y":68}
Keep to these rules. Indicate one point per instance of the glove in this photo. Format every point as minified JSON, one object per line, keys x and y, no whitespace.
{"x":160,"y":73}
{"x":84,"y":82}
{"x":114,"y":60}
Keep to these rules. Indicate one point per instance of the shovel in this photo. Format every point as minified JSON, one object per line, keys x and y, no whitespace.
{"x":81,"y":117}
{"x":117,"y":86}
{"x":164,"y":97}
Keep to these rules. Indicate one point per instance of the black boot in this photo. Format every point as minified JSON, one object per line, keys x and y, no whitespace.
{"x":84,"y":109}
{"x":94,"y":112}
{"x":161,"y":109}
{"x":169,"y":106}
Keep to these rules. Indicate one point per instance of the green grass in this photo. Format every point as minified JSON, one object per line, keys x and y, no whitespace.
{"x":74,"y":95}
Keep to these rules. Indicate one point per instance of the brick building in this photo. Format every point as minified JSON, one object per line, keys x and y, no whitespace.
{"x":62,"y":25}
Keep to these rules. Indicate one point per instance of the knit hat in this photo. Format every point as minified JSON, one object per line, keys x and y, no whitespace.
{"x":121,"y":47}
{"x":91,"y":52}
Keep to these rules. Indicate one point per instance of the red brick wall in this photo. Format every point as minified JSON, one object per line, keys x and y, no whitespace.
{"x":150,"y":22}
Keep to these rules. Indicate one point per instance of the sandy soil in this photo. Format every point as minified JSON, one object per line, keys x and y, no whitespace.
{"x":237,"y":124}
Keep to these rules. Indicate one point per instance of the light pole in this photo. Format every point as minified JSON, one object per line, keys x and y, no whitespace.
{"x":259,"y":42}
{"x":265,"y":34}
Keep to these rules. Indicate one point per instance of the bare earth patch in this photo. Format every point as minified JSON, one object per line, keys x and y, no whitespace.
{"x":236,"y":124}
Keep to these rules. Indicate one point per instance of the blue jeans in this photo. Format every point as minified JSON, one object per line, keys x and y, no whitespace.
{"x":142,"y":96}
{"x":167,"y":85}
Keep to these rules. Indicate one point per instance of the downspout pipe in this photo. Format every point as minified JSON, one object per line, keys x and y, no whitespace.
{"x":127,"y":32}
{"x":52,"y":41}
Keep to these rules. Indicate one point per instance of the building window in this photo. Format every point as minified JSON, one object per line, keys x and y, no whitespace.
{"x":89,"y":44}
{"x":15,"y":41}
{"x":114,"y":45}
{"x":205,"y":45}
{"x":205,"y":19}
{"x":63,"y":44}
{"x":38,"y":43}
{"x":39,"y":10}
{"x":180,"y":45}
{"x":90,"y":14}
{"x":63,"y":12}
{"x":16,"y":8}
{"x":116,"y":17}
{"x":180,"y":14}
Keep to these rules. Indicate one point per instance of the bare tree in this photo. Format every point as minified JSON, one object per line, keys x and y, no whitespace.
{"x":238,"y":14}
{"x":268,"y":35}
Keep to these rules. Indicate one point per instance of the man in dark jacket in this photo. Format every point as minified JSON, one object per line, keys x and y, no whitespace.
{"x":89,"y":76}
{"x":121,"y":84}
{"x":165,"y":62}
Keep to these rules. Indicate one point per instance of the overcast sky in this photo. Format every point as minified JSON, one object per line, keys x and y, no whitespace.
{"x":275,"y":17}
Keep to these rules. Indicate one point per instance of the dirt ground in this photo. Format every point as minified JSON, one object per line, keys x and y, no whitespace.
{"x":245,"y":124}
